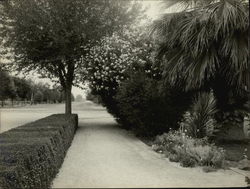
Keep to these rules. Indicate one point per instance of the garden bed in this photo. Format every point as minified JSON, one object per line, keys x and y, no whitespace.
{"x":32,"y":154}
{"x":237,"y":152}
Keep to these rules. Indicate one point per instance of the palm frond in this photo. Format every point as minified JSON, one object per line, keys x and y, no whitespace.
{"x":186,"y":3}
{"x":167,"y":23}
{"x":228,"y":16}
{"x":201,"y":123}
{"x":201,"y":40}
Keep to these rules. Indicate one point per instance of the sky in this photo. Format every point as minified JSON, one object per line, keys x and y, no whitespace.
{"x":154,"y":8}
{"x":153,"y":12}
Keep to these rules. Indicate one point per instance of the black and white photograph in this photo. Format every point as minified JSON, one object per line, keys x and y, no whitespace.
{"x":124,"y":94}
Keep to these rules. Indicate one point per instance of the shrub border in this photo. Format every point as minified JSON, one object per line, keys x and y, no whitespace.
{"x":32,"y":154}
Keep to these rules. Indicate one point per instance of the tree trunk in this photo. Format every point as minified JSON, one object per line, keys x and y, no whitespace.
{"x":32,"y":98}
{"x":68,"y":104}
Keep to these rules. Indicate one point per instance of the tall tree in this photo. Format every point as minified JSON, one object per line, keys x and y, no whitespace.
{"x":49,"y":36}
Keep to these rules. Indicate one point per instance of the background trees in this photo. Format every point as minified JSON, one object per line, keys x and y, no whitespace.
{"x":79,"y":98}
{"x":49,"y":36}
{"x":7,"y":87}
{"x":20,"y":89}
{"x":23,"y":88}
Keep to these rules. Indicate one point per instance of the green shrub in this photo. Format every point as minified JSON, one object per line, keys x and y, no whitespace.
{"x":189,"y":151}
{"x":32,"y":154}
{"x":147,"y":107}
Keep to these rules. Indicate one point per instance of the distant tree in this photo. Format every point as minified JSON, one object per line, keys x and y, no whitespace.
{"x":33,"y":89}
{"x":23,"y":88}
{"x":55,"y":95}
{"x":58,"y":93}
{"x":7,"y":87}
{"x":38,"y":97}
{"x":4,"y":84}
{"x":79,"y":98}
{"x":45,"y":88}
{"x":49,"y":36}
{"x":12,"y":91}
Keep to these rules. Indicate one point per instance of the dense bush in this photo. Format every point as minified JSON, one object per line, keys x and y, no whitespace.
{"x":32,"y":154}
{"x":148,"y":109}
{"x":179,"y":147}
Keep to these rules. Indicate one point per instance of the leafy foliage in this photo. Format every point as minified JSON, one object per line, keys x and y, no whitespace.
{"x":48,"y":36}
{"x":32,"y":154}
{"x":119,"y":70}
{"x":16,"y":88}
{"x":193,"y":49}
{"x":23,"y":88}
{"x":7,"y":87}
{"x":110,"y":60}
{"x":146,"y":109}
{"x":189,"y":151}
{"x":199,"y":122}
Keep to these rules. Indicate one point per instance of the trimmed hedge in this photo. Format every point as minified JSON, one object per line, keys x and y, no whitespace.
{"x":31,"y":155}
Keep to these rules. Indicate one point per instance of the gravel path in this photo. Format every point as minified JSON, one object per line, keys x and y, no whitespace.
{"x":103,"y":155}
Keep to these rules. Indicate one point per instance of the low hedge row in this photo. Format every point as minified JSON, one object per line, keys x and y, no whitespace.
{"x":31,"y":155}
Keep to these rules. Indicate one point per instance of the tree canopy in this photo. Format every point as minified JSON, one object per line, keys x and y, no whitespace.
{"x":49,"y":36}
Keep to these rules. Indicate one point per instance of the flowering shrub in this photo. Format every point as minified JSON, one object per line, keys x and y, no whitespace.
{"x":108,"y":62}
{"x":179,"y":147}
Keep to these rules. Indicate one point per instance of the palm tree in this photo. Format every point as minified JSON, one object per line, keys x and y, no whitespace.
{"x":208,"y":38}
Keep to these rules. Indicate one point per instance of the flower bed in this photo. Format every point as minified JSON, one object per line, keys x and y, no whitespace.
{"x":189,"y":151}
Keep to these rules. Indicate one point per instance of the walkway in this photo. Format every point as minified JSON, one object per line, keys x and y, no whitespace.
{"x":103,"y":155}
